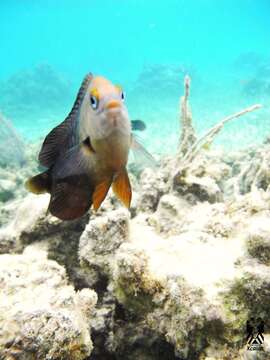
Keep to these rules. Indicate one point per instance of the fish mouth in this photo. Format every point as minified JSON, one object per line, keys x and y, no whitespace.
{"x":113,"y":104}
{"x":113,"y":109}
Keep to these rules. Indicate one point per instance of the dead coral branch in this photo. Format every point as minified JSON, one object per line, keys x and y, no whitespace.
{"x":189,"y":146}
{"x":195,"y":177}
{"x":187,"y":138}
{"x":208,"y":138}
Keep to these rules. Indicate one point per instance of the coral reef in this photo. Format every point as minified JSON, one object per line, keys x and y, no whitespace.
{"x":38,"y":90}
{"x":98,"y":256}
{"x":12,"y":148}
{"x":176,"y":278}
{"x":13,"y":174}
{"x":42,"y":317}
{"x":162,"y":79}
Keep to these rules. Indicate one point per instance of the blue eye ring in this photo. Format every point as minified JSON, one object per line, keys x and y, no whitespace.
{"x":94,"y":102}
{"x":123,"y":96}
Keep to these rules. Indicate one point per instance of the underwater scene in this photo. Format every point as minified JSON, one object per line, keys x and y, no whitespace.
{"x":134,"y":180}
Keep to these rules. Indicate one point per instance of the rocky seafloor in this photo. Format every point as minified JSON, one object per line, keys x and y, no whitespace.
{"x":176,"y":277}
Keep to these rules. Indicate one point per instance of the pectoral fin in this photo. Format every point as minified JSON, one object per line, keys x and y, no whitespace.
{"x":100,"y":193}
{"x":141,"y":155}
{"x":122,"y":188}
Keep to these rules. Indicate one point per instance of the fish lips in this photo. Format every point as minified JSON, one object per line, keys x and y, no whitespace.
{"x":115,"y":120}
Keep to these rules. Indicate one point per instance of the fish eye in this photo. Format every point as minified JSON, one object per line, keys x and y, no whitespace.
{"x":123,"y":96}
{"x":94,"y":102}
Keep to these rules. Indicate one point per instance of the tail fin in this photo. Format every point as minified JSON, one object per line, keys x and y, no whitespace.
{"x":39,"y":184}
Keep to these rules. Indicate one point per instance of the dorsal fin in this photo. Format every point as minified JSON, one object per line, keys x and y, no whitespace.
{"x":63,"y":136}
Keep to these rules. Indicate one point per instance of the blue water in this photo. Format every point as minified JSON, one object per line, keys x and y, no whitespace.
{"x":222,"y":44}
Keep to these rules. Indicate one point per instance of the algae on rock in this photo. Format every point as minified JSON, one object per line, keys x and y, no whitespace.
{"x":41,"y":315}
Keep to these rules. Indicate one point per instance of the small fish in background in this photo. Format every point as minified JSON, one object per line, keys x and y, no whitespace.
{"x":88,"y":152}
{"x":138,"y":125}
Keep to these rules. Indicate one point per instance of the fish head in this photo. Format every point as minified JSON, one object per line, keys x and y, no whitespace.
{"x":103,"y":110}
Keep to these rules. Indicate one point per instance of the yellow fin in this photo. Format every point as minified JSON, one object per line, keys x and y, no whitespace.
{"x":100,"y":193}
{"x":122,"y":188}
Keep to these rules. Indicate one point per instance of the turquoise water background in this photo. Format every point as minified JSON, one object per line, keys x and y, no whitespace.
{"x":222,"y":44}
